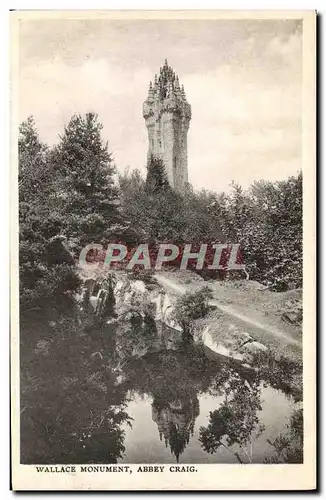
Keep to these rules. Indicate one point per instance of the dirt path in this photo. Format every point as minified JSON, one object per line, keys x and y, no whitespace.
{"x":231,"y":311}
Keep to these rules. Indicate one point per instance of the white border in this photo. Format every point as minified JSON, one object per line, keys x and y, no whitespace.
{"x":308,"y":344}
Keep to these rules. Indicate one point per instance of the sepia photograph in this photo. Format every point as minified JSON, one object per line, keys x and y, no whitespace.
{"x":164,"y":177}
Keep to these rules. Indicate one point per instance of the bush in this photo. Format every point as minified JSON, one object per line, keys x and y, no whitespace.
{"x":192,"y":306}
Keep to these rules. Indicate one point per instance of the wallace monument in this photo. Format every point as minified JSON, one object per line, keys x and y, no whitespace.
{"x":167,"y":116}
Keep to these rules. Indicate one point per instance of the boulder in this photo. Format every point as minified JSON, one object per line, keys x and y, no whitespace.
{"x":254,"y":347}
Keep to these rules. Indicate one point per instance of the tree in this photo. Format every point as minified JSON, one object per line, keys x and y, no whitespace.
{"x":266,"y":220}
{"x":156,"y":180}
{"x":87,"y":188}
{"x":166,"y":216}
{"x":152,"y":216}
{"x":32,"y":156}
{"x":40,"y":220}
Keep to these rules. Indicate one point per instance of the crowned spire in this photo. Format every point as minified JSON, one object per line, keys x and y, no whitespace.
{"x":166,"y":84}
{"x":177,"y":82}
{"x":150,"y":91}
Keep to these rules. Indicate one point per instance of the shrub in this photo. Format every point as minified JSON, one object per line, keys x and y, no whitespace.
{"x":192,"y":306}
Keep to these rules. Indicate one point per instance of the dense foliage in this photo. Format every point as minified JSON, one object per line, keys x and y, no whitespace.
{"x":45,"y":276}
{"x":266,"y":220}
{"x":67,"y":198}
{"x":67,"y":194}
{"x":89,"y":197}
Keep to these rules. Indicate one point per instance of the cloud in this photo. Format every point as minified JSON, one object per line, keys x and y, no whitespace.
{"x":242,"y":127}
{"x":243,"y":81}
{"x":53,"y":91}
{"x":288,"y":48}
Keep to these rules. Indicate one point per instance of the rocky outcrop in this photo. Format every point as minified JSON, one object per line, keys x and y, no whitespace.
{"x":292,"y":311}
{"x":129,"y":297}
{"x":241,"y":348}
{"x":141,"y":314}
{"x":137,"y":306}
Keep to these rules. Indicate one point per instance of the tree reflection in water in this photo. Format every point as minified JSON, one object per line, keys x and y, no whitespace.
{"x":235,"y":422}
{"x":72,"y":408}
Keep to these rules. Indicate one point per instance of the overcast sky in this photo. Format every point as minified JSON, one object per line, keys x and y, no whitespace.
{"x":242,"y":79}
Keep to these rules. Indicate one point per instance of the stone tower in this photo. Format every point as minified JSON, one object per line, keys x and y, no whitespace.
{"x":167,"y":116}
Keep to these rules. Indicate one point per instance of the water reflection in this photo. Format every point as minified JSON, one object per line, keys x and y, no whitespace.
{"x":175,"y":380}
{"x":77,"y":387}
{"x":236,"y":420}
{"x":176,"y":422}
{"x":72,"y":408}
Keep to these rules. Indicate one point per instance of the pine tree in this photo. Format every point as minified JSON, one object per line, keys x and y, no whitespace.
{"x":41,"y":282}
{"x":88,"y":190}
{"x":156,"y":180}
{"x":32,"y":154}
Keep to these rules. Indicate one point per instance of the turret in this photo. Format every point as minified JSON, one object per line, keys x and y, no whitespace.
{"x":150,"y":92}
{"x":183,"y":94}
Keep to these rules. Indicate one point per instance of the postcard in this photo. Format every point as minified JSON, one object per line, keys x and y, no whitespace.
{"x":163,"y":287}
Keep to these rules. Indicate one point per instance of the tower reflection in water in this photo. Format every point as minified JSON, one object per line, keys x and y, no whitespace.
{"x":175,"y":376}
{"x":176,"y":422}
{"x":174,"y":380}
